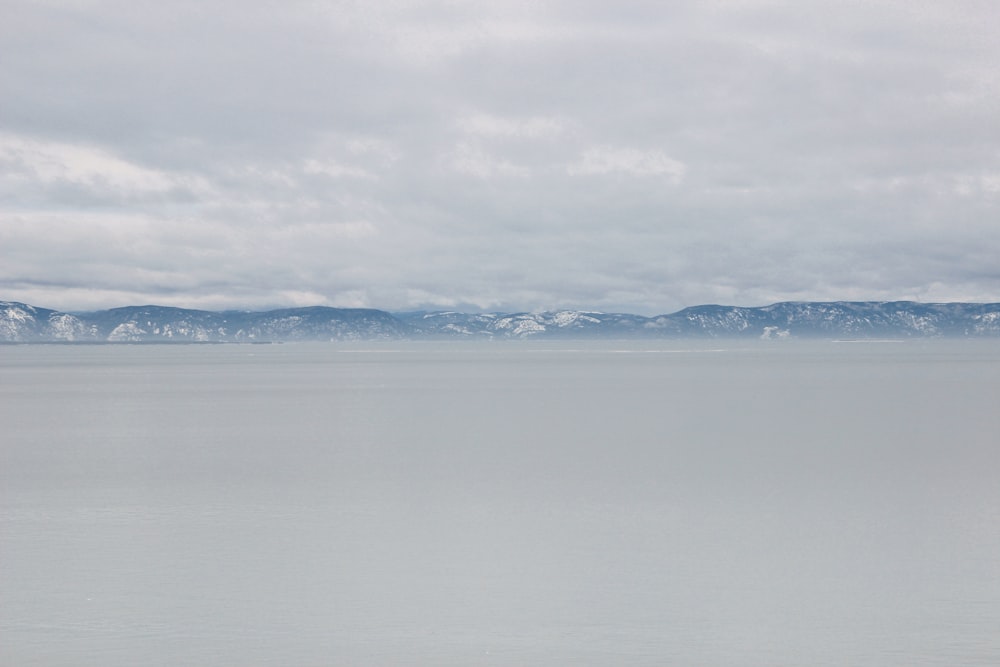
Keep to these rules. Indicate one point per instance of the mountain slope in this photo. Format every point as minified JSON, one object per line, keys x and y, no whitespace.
{"x":21,"y":322}
{"x":132,"y":324}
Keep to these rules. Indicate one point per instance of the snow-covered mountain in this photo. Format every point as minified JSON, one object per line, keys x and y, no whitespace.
{"x":799,"y":319}
{"x":21,"y":322}
{"x":563,"y":323}
{"x":843,"y":319}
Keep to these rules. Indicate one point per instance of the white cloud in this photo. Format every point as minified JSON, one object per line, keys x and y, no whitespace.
{"x":383,"y":150}
{"x":612,"y":159}
{"x":318,"y":232}
{"x":534,"y":127}
{"x":508,"y":155}
{"x":334,"y":169}
{"x":32,"y":162}
{"x":475,"y":161}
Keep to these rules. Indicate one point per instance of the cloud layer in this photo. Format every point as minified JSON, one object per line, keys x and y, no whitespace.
{"x":516,"y":156}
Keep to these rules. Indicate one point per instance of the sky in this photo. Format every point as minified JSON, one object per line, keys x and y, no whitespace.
{"x":633,"y":156}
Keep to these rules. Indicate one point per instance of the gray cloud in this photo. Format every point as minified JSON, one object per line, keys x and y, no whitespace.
{"x":636,"y":156}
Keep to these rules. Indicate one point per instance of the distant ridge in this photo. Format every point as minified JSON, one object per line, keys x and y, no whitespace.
{"x":23,"y":323}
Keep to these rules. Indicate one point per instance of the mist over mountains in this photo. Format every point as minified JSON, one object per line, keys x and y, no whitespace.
{"x":23,"y":323}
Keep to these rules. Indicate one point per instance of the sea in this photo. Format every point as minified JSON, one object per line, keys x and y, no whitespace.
{"x":690,"y":503}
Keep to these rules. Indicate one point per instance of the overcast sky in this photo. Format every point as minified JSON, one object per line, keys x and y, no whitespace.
{"x":616,"y":156}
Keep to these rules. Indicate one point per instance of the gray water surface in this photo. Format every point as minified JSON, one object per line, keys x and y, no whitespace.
{"x":677,"y":503}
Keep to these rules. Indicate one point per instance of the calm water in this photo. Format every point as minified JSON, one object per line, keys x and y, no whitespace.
{"x":682,"y":504}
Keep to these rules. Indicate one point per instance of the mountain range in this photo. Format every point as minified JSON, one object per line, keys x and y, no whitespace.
{"x":23,"y":323}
